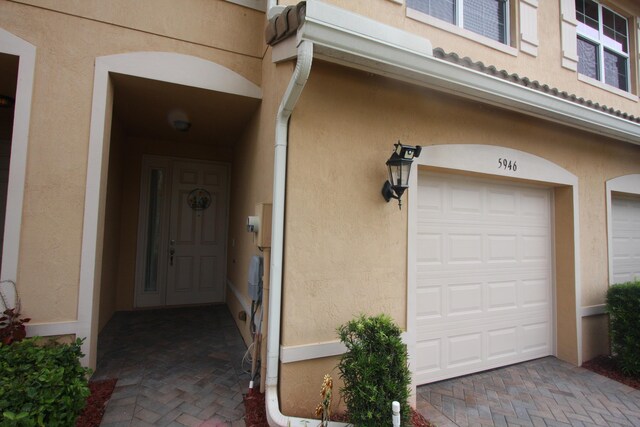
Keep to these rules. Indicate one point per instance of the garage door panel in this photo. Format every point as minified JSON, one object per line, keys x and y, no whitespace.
{"x":502,"y":295}
{"x":463,"y":244}
{"x":502,"y":248}
{"x":502,"y":343}
{"x":467,"y":350}
{"x":483,"y":276}
{"x":625,"y":239}
{"x":444,"y":325}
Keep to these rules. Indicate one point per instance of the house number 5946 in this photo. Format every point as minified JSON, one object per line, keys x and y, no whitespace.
{"x":508,"y":165}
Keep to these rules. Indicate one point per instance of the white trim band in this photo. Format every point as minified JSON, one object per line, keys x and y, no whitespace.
{"x":593,"y":310}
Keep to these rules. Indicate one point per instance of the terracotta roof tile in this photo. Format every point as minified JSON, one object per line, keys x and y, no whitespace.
{"x":285,"y":24}
{"x":532,"y":84}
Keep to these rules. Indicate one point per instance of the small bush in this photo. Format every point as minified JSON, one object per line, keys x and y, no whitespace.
{"x":623,"y":306}
{"x":41,"y":385}
{"x":374,"y":370}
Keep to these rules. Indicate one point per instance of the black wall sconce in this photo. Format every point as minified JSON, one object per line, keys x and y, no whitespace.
{"x":399,"y":165}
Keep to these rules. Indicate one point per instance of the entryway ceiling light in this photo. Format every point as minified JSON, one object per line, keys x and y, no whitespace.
{"x":179,"y":120}
{"x":6,"y":101}
{"x":399,"y":165}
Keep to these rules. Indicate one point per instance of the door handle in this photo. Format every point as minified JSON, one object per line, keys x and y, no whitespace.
{"x":172,"y":251}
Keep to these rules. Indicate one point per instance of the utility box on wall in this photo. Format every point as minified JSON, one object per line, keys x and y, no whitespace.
{"x":263,"y":238}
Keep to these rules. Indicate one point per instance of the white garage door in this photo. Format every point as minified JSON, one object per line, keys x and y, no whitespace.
{"x":626,"y":239}
{"x":484,"y":275}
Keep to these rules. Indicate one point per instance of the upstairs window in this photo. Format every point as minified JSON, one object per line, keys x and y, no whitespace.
{"x":485,"y":17}
{"x":603,"y":44}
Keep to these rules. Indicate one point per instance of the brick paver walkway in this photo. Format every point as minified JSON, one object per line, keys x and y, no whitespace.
{"x":175,"y":367}
{"x":539,"y":393}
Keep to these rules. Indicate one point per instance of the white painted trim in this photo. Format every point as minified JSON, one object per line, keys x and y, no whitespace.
{"x":244,"y":301}
{"x":50,"y":329}
{"x":483,"y":159}
{"x":462,"y":32}
{"x":627,"y":184}
{"x":299,"y":353}
{"x":354,"y":41}
{"x":180,"y":69}
{"x":529,"y":41}
{"x":608,"y":88}
{"x":26,"y":53}
{"x":593,"y":310}
{"x":162,"y":66}
{"x":568,"y":34}
{"x":260,"y":5}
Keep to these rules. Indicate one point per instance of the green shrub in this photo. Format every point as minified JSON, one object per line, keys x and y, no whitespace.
{"x":41,"y":385}
{"x":374,"y":370}
{"x":623,"y":306}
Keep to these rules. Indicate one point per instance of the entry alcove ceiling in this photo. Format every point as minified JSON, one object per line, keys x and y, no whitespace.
{"x":142,"y":107}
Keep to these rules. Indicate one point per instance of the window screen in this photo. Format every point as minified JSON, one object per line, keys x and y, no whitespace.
{"x":486,"y":17}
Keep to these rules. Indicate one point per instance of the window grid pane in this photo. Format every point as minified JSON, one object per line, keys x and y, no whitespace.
{"x":588,"y":64}
{"x":615,"y":27}
{"x":603,"y":55}
{"x":441,"y":9}
{"x":587,"y":13}
{"x":486,"y":17}
{"x":615,"y":70}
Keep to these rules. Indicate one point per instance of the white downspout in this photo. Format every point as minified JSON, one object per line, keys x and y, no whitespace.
{"x":289,"y":100}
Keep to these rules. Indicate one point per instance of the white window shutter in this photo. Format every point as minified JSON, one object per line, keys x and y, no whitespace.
{"x":569,"y":35}
{"x":529,"y":26}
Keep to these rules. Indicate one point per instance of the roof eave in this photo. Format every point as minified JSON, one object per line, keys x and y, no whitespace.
{"x":352,"y":40}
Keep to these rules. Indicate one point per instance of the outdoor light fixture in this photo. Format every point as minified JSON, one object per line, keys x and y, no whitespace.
{"x":399,"y":165}
{"x":179,"y":120}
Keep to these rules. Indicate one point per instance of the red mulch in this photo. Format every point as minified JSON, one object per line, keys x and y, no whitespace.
{"x":256,"y":412}
{"x":606,"y":366}
{"x":96,"y":403}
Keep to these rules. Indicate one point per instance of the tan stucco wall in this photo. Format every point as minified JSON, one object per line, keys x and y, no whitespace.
{"x":346,"y":249}
{"x":546,"y":67}
{"x":252,"y":183}
{"x":67,"y":46}
{"x":595,"y":336}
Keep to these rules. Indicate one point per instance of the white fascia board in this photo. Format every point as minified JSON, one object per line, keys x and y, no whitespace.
{"x":343,"y":37}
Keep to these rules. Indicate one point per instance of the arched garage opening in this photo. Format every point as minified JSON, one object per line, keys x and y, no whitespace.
{"x":493,"y":261}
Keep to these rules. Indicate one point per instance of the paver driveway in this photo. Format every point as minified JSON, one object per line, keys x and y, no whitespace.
{"x":539,"y":393}
{"x":175,"y":367}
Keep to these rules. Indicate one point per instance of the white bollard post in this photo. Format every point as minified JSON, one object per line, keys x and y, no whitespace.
{"x":395,"y":408}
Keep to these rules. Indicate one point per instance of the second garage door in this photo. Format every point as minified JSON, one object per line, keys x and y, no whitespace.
{"x":484,"y":275}
{"x":626,"y":239}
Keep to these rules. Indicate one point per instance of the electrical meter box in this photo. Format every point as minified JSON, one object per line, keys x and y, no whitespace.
{"x":263,"y":237}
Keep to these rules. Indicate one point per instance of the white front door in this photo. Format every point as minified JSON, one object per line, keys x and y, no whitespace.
{"x":182,"y":237}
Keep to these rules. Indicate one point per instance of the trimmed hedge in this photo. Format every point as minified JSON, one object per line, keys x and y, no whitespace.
{"x":41,"y":385}
{"x":374,"y":370}
{"x":623,"y":306}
